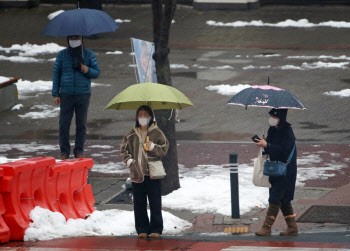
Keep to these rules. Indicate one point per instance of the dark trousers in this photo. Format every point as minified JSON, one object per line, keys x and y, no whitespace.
{"x":151,"y":189}
{"x":70,"y":104}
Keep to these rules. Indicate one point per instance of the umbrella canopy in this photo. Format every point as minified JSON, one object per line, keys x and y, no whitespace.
{"x":156,"y":96}
{"x":80,"y":22}
{"x":266,"y":96}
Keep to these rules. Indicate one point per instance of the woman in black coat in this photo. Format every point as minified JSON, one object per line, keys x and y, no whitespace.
{"x":279,"y":145}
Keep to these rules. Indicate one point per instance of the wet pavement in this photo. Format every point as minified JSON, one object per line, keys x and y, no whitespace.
{"x":208,"y":132}
{"x":201,"y":48}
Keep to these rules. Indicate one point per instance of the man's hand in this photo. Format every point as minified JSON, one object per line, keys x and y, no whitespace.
{"x":84,"y":68}
{"x":57,"y":100}
{"x":261,"y":143}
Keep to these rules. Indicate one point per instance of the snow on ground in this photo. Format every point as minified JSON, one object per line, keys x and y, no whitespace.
{"x":49,"y":225}
{"x":17,"y":107}
{"x":228,"y":90}
{"x":28,"y":49}
{"x":267,"y":55}
{"x":4,"y":159}
{"x":101,"y":146}
{"x":206,"y":188}
{"x":250,"y":67}
{"x":179,"y":66}
{"x":21,"y":59}
{"x":304,"y":66}
{"x":114,"y":52}
{"x":320,"y":64}
{"x":4,"y":79}
{"x":28,"y":148}
{"x":342,"y":57}
{"x":290,"y":67}
{"x":26,"y":87}
{"x":343,"y":93}
{"x":301,"y":23}
{"x":54,"y":14}
{"x":111,"y":167}
{"x":123,"y":21}
{"x":47,"y":111}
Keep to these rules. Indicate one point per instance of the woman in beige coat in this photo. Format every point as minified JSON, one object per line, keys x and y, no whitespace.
{"x":145,"y":138}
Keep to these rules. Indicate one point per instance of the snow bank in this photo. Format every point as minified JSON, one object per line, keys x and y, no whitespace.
{"x":179,"y":66}
{"x":343,"y":93}
{"x":26,"y":87}
{"x":228,"y":90}
{"x":21,"y":59}
{"x":323,"y":65}
{"x":114,"y":52}
{"x":111,"y":167}
{"x":49,"y":225}
{"x":54,"y":14}
{"x":4,"y":79}
{"x":301,"y":23}
{"x":250,"y":67}
{"x":28,"y":49}
{"x":123,"y":21}
{"x":17,"y":107}
{"x":47,"y":111}
{"x":27,"y":148}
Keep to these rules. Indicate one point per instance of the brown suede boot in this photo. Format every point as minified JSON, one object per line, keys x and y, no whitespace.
{"x":292,"y":229}
{"x":266,"y":227}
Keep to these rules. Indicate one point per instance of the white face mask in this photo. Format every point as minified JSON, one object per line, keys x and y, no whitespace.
{"x":144,"y":121}
{"x":74,"y":43}
{"x":273,"y":121}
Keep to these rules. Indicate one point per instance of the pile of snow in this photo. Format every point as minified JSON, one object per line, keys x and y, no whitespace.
{"x":250,"y":67}
{"x":342,"y":57}
{"x":323,"y":65}
{"x":290,"y":67}
{"x":224,"y":67}
{"x":4,"y":79}
{"x":4,"y":159}
{"x":123,"y":21}
{"x":28,"y":49}
{"x":101,"y":146}
{"x":26,"y":87}
{"x":28,"y":148}
{"x":47,"y":111}
{"x":343,"y":93}
{"x":114,"y":52}
{"x":21,"y":59}
{"x":206,"y":189}
{"x":302,"y":23}
{"x":17,"y":107}
{"x":228,"y":90}
{"x":54,"y":14}
{"x":47,"y":225}
{"x":111,"y":167}
{"x":267,"y":55}
{"x":178,"y":66}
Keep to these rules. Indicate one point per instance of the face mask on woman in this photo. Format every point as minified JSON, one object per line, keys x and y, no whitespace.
{"x":144,"y":121}
{"x":74,"y":43}
{"x":273,"y":121}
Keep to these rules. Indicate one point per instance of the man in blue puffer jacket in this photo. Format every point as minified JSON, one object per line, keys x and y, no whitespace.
{"x":74,"y":68}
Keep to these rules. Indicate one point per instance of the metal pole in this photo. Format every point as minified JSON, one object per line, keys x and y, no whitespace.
{"x":234,"y":185}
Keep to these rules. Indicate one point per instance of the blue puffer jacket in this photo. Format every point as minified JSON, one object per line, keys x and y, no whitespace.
{"x":68,"y":81}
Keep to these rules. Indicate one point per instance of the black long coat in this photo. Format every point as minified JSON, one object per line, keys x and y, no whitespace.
{"x":280,"y":143}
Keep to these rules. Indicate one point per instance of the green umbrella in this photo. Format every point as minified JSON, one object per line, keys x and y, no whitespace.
{"x":156,"y":96}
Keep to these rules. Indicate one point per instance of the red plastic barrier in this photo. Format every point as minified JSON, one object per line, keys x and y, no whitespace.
{"x":4,"y":230}
{"x":23,"y":188}
{"x":67,"y":188}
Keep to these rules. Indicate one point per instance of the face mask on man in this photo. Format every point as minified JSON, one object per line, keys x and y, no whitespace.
{"x":74,"y":43}
{"x":144,"y":121}
{"x":273,"y":121}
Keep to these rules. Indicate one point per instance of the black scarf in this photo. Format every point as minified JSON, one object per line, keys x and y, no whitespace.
{"x":77,"y":54}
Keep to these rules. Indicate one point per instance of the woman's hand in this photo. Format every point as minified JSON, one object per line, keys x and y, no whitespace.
{"x":148,"y":144}
{"x":261,"y":143}
{"x":84,"y":68}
